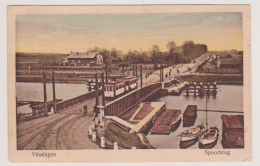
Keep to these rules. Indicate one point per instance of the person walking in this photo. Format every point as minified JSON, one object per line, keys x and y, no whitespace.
{"x":85,"y":110}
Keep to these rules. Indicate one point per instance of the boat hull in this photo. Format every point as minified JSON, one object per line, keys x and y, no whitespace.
{"x":190,"y":138}
{"x":207,"y":141}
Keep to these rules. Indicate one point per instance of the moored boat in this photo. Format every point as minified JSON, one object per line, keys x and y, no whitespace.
{"x":176,"y":119}
{"x":192,"y":133}
{"x":209,"y":136}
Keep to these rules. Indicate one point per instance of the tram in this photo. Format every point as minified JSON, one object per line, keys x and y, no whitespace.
{"x":114,"y":89}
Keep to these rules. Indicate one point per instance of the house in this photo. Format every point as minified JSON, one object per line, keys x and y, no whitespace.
{"x":84,"y":59}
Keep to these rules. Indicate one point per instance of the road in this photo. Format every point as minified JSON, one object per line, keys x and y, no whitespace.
{"x":64,"y":130}
{"x":183,"y":68}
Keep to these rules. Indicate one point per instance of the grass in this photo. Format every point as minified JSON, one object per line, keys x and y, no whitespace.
{"x":116,"y":134}
{"x":212,"y":68}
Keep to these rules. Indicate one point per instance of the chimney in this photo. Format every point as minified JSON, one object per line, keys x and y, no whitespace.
{"x":77,"y":53}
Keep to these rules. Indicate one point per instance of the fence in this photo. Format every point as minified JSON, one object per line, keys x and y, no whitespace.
{"x":76,"y":100}
{"x":131,"y":99}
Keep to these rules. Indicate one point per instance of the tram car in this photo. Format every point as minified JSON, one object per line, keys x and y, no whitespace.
{"x":114,"y":89}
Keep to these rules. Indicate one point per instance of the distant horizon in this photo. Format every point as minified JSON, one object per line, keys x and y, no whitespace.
{"x":64,"y":33}
{"x":109,"y":50}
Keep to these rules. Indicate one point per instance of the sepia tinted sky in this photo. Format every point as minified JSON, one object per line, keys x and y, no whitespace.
{"x":65,"y":33}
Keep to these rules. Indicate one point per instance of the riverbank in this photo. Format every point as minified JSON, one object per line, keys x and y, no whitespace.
{"x":221,"y":79}
{"x":38,"y":79}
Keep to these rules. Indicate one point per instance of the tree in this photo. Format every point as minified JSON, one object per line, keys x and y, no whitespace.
{"x":155,"y":55}
{"x":106,"y":55}
{"x":171,"y":46}
{"x":189,"y":42}
{"x":171,"y":58}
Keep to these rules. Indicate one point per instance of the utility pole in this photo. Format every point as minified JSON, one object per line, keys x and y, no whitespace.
{"x":103,"y":91}
{"x":106,"y":74}
{"x":54,"y":93}
{"x":17,"y":120}
{"x":161,"y":72}
{"x":97,"y":93}
{"x":133,"y":68}
{"x":207,"y":109}
{"x":45,"y":93}
{"x":141,"y":75}
{"x":136,"y":69}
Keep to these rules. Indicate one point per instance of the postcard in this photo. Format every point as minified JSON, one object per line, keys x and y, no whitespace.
{"x":139,"y":83}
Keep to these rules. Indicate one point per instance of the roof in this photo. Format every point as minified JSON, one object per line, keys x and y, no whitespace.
{"x":233,"y":121}
{"x":115,"y":83}
{"x":84,"y":55}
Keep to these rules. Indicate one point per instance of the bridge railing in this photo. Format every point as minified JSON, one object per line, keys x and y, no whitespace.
{"x":70,"y":102}
{"x":131,"y":99}
{"x":169,"y":83}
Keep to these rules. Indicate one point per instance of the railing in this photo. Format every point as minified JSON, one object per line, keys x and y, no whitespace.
{"x":131,"y":99}
{"x":67,"y":103}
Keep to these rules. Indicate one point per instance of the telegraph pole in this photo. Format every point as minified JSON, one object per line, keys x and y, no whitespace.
{"x":54,"y":93}
{"x":133,"y":68}
{"x":161,"y":72}
{"x":103,"y":91}
{"x":141,"y":75}
{"x":106,"y":74}
{"x":136,"y":69}
{"x":45,"y":93}
{"x":17,"y":120}
{"x":97,"y":102}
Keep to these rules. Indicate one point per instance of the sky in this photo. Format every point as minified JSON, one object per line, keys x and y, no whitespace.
{"x":65,"y":33}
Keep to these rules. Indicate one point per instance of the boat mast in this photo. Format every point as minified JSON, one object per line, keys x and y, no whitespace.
{"x":207,"y":109}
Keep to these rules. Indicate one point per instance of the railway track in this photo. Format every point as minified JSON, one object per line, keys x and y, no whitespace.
{"x":34,"y":127}
{"x":44,"y":131}
{"x":69,"y":123}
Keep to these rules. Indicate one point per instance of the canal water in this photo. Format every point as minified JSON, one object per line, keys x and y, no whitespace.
{"x":229,"y":98}
{"x":34,"y":92}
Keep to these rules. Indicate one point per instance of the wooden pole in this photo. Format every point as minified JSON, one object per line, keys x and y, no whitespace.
{"x":17,"y":120}
{"x":96,"y":80}
{"x":106,"y":74}
{"x":141,"y":75}
{"x":103,"y":91}
{"x":54,"y":93}
{"x":97,"y":100}
{"x":136,"y":69}
{"x":45,"y":93}
{"x":133,"y":68}
{"x":207,"y":109}
{"x":162,"y":73}
{"x":89,"y":86}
